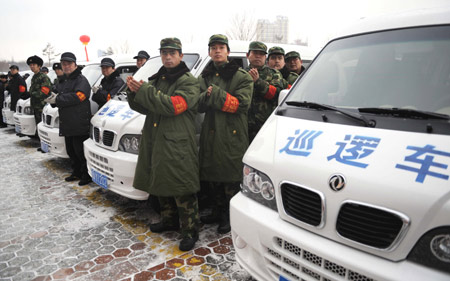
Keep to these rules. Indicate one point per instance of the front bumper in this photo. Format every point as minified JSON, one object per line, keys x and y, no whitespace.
{"x":52,"y":141}
{"x":268,"y":247}
{"x":116,"y":167}
{"x":25,"y":124}
{"x":8,"y":116}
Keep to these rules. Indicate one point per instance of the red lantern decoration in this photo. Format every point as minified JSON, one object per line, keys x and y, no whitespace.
{"x":85,"y":40}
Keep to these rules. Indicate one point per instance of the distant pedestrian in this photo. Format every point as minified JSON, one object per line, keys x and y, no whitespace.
{"x":3,"y":81}
{"x":59,"y":76}
{"x":277,"y":61}
{"x":110,"y":84}
{"x":44,"y":70}
{"x":294,"y":62}
{"x":168,"y":159}
{"x":16,"y":86}
{"x":141,"y":58}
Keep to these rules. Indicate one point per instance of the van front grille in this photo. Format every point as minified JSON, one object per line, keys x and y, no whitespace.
{"x":108,"y":138}
{"x":302,"y":204}
{"x":289,"y":260}
{"x":369,"y":225}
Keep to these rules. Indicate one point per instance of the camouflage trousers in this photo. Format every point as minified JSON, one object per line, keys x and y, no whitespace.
{"x":181,"y":210}
{"x":220,"y":194}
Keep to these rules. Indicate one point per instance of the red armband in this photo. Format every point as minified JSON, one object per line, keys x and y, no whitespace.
{"x":108,"y":97}
{"x":289,"y":86}
{"x":270,"y":93}
{"x":22,"y":89}
{"x":81,"y":96}
{"x":179,"y":104}
{"x":45,"y":90}
{"x":231,"y":104}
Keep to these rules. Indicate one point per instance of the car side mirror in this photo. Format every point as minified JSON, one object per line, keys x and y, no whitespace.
{"x":282,"y":95}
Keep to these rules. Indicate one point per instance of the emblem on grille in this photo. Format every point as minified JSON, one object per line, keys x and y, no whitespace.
{"x":337,"y":182}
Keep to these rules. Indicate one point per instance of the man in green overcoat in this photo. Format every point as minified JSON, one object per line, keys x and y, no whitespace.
{"x":225,"y":97}
{"x":167,"y":164}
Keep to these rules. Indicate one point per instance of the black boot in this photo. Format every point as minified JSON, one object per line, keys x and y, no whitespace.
{"x":161,"y":227}
{"x":188,"y":242}
{"x":224,"y":224}
{"x":211,"y":218}
{"x":72,"y":177}
{"x":85,"y":179}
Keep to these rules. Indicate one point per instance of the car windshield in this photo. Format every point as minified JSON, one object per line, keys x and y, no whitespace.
{"x":406,"y":69}
{"x":92,"y":72}
{"x":154,"y":64}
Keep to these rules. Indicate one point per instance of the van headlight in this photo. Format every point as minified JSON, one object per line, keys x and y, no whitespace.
{"x":28,"y":110}
{"x":257,"y":186}
{"x":130,"y":143}
{"x":433,"y":249}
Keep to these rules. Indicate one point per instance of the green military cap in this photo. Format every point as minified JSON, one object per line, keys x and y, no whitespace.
{"x":218,"y":38}
{"x":257,"y":46}
{"x":276,"y":50}
{"x":292,"y":54}
{"x":170,"y":43}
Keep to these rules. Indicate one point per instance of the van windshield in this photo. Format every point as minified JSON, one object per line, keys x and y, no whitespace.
{"x":405,"y":69}
{"x":92,"y":72}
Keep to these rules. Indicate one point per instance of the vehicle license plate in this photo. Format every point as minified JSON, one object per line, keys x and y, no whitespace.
{"x":44,"y":146}
{"x":283,"y":278}
{"x":99,"y":179}
{"x":18,"y":129}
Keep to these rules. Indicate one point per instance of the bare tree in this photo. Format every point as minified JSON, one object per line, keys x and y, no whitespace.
{"x":123,"y":48}
{"x":243,"y":27}
{"x":49,"y":52}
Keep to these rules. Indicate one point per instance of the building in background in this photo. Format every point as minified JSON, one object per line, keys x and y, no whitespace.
{"x":273,"y":32}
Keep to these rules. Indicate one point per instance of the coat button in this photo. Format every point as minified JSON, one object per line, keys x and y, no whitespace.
{"x":158,"y":92}
{"x":217,"y":74}
{"x":211,"y":132}
{"x":155,"y":125}
{"x":164,"y":77}
{"x":234,"y":132}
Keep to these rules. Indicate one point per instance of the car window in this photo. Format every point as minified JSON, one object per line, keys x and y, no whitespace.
{"x":408,"y":68}
{"x":92,"y":72}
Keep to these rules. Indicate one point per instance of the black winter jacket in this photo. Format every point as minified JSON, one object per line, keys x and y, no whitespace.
{"x":18,"y":89}
{"x":74,"y":105}
{"x":110,"y":86}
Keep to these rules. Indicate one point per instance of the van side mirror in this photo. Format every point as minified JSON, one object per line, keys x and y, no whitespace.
{"x":282,"y":95}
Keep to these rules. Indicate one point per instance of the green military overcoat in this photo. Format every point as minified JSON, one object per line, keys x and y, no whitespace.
{"x":168,"y":158}
{"x":40,"y":89}
{"x":224,"y":135}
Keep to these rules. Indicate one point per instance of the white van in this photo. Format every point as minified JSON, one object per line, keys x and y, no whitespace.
{"x":112,"y":151}
{"x":48,"y":129}
{"x":349,"y":177}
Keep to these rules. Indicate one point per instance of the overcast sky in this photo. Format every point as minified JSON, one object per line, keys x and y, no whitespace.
{"x":27,"y":25}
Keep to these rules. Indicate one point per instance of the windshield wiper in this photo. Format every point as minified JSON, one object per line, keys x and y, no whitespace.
{"x":404,"y":112}
{"x":359,"y":117}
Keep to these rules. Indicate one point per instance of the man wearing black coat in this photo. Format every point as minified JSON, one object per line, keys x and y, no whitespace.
{"x":16,"y":87}
{"x":110,"y":84}
{"x":3,"y":81}
{"x":74,"y":115}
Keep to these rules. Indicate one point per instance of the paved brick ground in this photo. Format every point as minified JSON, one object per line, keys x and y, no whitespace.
{"x":54,"y":230}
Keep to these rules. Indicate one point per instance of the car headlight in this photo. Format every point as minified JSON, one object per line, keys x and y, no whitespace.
{"x":257,"y":186}
{"x":28,"y":110}
{"x":130,"y":143}
{"x":433,"y":249}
